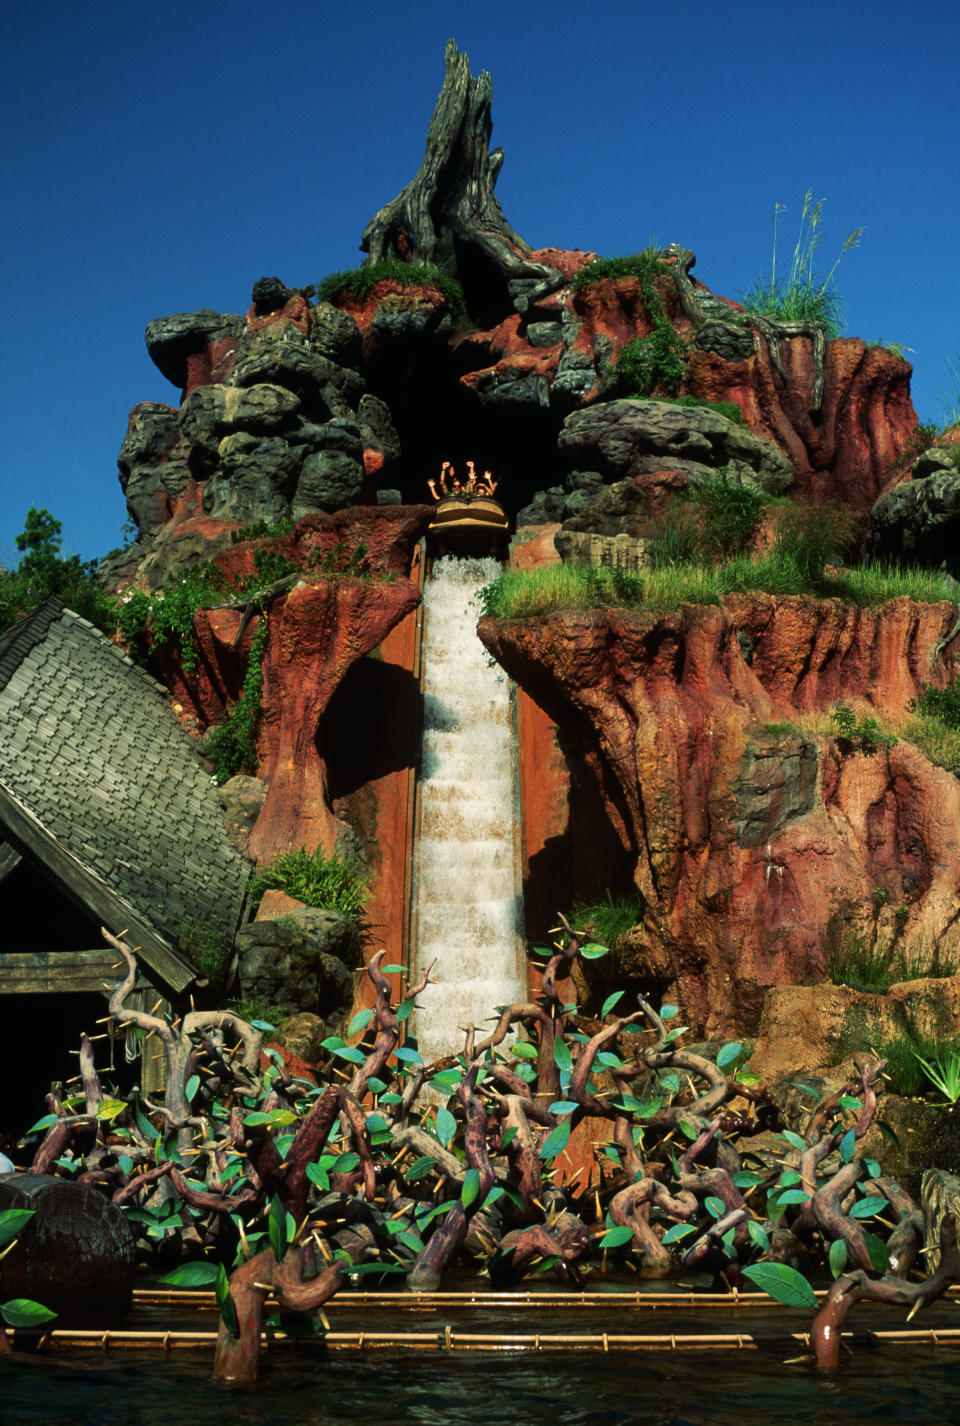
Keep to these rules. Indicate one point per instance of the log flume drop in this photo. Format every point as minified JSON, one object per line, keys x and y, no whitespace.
{"x":468,"y":907}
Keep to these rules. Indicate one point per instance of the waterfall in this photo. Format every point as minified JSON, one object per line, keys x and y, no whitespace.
{"x":467,"y":900}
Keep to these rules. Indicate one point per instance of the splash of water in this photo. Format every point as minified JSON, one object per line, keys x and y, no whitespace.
{"x":467,"y":900}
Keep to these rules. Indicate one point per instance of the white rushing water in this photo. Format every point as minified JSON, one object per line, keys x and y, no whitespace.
{"x":467,"y":899}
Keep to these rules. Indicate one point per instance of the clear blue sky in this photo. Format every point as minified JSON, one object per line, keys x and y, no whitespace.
{"x":160,"y":158}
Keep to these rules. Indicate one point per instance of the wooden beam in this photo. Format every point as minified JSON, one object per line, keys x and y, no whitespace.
{"x":29,"y":834}
{"x":59,"y":972}
{"x":10,"y":859}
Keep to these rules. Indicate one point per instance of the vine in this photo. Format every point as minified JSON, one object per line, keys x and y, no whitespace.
{"x":232,"y":745}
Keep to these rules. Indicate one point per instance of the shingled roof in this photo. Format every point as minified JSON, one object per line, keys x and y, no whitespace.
{"x":101,"y":785}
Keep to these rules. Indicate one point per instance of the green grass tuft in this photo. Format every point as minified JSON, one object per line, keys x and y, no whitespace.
{"x":802,"y":297}
{"x":644,"y":264}
{"x":361,"y":280}
{"x":316,"y":880}
{"x":608,"y":918}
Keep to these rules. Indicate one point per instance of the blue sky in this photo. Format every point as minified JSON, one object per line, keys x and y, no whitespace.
{"x":160,"y":158}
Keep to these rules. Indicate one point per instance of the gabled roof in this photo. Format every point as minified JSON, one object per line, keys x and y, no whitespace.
{"x":101,"y":785}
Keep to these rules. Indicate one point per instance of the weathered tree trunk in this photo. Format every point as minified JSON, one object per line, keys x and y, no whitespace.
{"x":449,"y":209}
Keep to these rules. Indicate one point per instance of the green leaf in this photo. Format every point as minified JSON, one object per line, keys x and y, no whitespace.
{"x":192,"y":1085}
{"x":678,"y":1231}
{"x":225,"y":1302}
{"x":872,"y":1167}
{"x":617,"y":1237}
{"x":391,"y":970}
{"x":877,"y":1251}
{"x":848,"y":1102}
{"x":277,"y":1227}
{"x":524,"y":1050}
{"x":670,"y":1083}
{"x":561,"y":1056}
{"x":469,"y":1188}
{"x":12,"y":1222}
{"x":446,"y":1126}
{"x":24,"y":1312}
{"x":277,"y":1118}
{"x":563,"y":1106}
{"x":867,"y":1207}
{"x":808,"y":1089}
{"x":318,"y":1177}
{"x":592,"y":951}
{"x":556,"y":1141}
{"x":728,"y":1052}
{"x":758,"y":1236}
{"x":788,"y":1178}
{"x":192,"y":1275}
{"x":345,"y":1163}
{"x":675,"y":1034}
{"x":419,"y":1168}
{"x":847,"y":1145}
{"x":360,"y":1021}
{"x":838,"y":1256}
{"x":405,"y":1009}
{"x":690,"y":1131}
{"x":332,"y":1042}
{"x":446,"y":1079}
{"x":408,"y":1054}
{"x":49,"y":1119}
{"x":746,"y":1178}
{"x":608,"y":1060}
{"x":783,"y":1283}
{"x":109,"y":1109}
{"x":667,"y":1012}
{"x":375,"y":1085}
{"x":793,"y":1139}
{"x":508,"y":1136}
{"x":610,"y":1002}
{"x":715,"y":1206}
{"x":793,"y":1195}
{"x":352,"y":1055}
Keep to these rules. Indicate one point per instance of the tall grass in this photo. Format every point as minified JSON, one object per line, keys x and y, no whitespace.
{"x":526,"y":594}
{"x":802,"y":296}
{"x":314,"y":879}
{"x":865,"y":963}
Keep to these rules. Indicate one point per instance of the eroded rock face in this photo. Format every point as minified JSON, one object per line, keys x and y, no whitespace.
{"x":918,"y":520}
{"x":301,"y":961}
{"x":746,"y":833}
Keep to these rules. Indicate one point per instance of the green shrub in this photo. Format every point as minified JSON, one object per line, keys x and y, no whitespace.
{"x":731,"y":513}
{"x":316,"y":880}
{"x":731,"y":409}
{"x":865,"y":963}
{"x":207,"y":947}
{"x":232,"y":745}
{"x":610,"y":917}
{"x":644,"y":265}
{"x":802,"y":297}
{"x":361,"y":280}
{"x":813,"y":536}
{"x":942,"y":703}
{"x":862,"y":735}
{"x":43,"y":571}
{"x":258,"y":1008}
{"x":261,"y":530}
{"x":168,"y":616}
{"x":937,"y":740}
{"x":270,"y":566}
{"x":921,"y":439}
{"x":650,"y":362}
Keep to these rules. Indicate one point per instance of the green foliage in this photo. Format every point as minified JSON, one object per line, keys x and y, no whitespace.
{"x":813,"y":536}
{"x":942,"y":703}
{"x":42,"y":571}
{"x":340,"y":562}
{"x":261,"y":530}
{"x":270,"y":566}
{"x":610,"y":917}
{"x":644,"y":265}
{"x":361,"y":280}
{"x":802,"y":297}
{"x":525,"y":594}
{"x":206,"y":946}
{"x":784,"y":1284}
{"x":316,"y":880}
{"x":861,"y":735}
{"x":731,"y":409}
{"x":647,"y":363}
{"x":864,"y":963}
{"x":923,"y":437}
{"x":731,"y":513}
{"x":937,"y":740}
{"x":257,"y":1008}
{"x":232,"y":745}
{"x":943,"y":1072}
{"x":168,"y":616}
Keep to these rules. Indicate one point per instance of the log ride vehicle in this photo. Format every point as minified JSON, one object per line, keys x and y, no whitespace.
{"x":468,"y":523}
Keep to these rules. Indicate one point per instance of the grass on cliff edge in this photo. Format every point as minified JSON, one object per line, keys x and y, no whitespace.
{"x":526,"y":594}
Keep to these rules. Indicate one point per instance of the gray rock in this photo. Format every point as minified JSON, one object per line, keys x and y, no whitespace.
{"x":335,"y":334}
{"x":919,"y":521}
{"x":512,"y":388}
{"x":242,"y":799}
{"x":270,"y":294}
{"x":609,"y":510}
{"x":930,"y":462}
{"x":615,"y":436}
{"x":300,"y":960}
{"x":302,"y":1035}
{"x":732,"y":342}
{"x":544,"y":334}
{"x":546,"y":507}
{"x":777,"y":782}
{"x":281,"y":355}
{"x":329,"y":480}
{"x":152,"y":465}
{"x":254,"y":479}
{"x":576,"y":375}
{"x":376,"y":427}
{"x":389,"y":497}
{"x":170,"y":340}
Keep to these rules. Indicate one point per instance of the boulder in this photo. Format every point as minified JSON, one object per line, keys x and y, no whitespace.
{"x":919,"y":521}
{"x":255,"y":479}
{"x":301,"y":1036}
{"x":329,"y":480}
{"x":300,"y":961}
{"x":77,"y":1254}
{"x":242,"y":799}
{"x":171,"y":341}
{"x":614,"y":436}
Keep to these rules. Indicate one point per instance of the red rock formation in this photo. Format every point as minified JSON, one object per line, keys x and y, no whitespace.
{"x":748,"y":837}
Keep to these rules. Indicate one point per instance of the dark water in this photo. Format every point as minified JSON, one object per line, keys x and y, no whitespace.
{"x":306,"y":1387}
